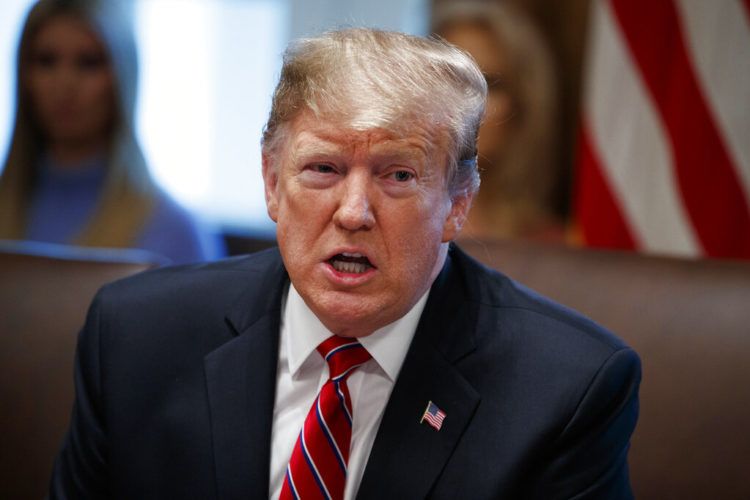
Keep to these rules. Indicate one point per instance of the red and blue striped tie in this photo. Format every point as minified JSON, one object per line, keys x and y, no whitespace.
{"x":319,"y":460}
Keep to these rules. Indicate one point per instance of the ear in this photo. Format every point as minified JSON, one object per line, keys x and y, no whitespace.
{"x":270,"y":185}
{"x":459,"y":211}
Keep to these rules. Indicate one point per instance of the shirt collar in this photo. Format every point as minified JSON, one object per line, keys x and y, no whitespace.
{"x":387,"y":345}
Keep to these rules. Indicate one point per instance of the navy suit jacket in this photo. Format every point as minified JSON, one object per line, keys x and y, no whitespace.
{"x":176,"y":372}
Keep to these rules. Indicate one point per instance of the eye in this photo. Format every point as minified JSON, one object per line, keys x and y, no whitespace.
{"x":322,"y":168}
{"x":44,"y":59}
{"x":91,"y":61}
{"x":402,"y":176}
{"x":318,"y":175}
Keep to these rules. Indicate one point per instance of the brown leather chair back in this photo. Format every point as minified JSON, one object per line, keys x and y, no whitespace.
{"x":43,"y":303}
{"x":690,"y":323}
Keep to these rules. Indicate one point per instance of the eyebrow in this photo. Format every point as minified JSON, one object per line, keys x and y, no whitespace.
{"x":400,"y":148}
{"x":313,"y":145}
{"x":310,"y":148}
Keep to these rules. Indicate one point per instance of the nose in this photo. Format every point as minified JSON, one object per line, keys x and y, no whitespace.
{"x":354,"y":212}
{"x":65,"y":78}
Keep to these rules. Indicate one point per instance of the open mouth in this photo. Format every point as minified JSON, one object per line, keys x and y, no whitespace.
{"x":350,"y":263}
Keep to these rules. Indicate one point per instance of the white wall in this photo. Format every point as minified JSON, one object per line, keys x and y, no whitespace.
{"x":310,"y":17}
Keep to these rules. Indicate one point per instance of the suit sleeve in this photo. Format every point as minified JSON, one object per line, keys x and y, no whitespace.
{"x":80,"y":468}
{"x":588,"y":459}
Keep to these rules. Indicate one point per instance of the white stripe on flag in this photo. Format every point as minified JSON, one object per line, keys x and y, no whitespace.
{"x":632,"y":143}
{"x":718,"y":36}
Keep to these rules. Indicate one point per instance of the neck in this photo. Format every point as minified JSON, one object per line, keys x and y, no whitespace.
{"x":69,"y":155}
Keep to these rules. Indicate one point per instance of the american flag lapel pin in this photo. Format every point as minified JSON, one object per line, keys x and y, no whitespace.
{"x":433,"y":416}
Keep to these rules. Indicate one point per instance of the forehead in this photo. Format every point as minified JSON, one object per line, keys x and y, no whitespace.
{"x":67,"y":31}
{"x":310,"y":135}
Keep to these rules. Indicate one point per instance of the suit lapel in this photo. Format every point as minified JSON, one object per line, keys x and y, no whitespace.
{"x":241,"y":379}
{"x":241,"y":383}
{"x":408,"y":456}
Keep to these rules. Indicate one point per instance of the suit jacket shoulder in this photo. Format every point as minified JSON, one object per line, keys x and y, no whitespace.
{"x":175,"y":375}
{"x":542,"y":324}
{"x":204,"y":283}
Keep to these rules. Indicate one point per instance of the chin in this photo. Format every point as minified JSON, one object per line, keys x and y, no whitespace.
{"x":350,"y":315}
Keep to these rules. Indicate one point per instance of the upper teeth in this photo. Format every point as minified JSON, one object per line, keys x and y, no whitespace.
{"x":346,"y":254}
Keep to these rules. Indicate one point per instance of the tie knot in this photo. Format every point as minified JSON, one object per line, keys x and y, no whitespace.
{"x":342,"y":355}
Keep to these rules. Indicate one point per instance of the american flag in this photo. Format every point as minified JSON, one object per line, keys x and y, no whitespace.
{"x":433,"y":416}
{"x":664,"y":163}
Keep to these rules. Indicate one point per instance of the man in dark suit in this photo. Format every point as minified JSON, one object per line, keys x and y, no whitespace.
{"x":367,"y":356}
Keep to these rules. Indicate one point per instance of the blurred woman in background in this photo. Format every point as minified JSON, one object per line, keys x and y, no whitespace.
{"x":75,"y":173}
{"x":518,"y":138}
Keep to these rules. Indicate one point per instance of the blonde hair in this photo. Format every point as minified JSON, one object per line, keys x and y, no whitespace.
{"x":521,"y":181}
{"x":366,"y":78}
{"x":127,"y":197}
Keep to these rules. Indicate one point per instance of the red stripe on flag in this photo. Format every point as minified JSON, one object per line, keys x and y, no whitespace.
{"x":707,"y":179}
{"x":598,"y":213}
{"x":746,"y":3}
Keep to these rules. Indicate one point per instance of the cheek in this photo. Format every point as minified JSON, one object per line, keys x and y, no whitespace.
{"x":301,"y":216}
{"x":416,"y":252}
{"x":38,"y":89}
{"x":99,"y":91}
{"x":107,"y":113}
{"x":420,"y":228}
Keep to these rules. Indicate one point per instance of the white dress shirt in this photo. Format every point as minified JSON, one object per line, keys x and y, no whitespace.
{"x":302,"y":371}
